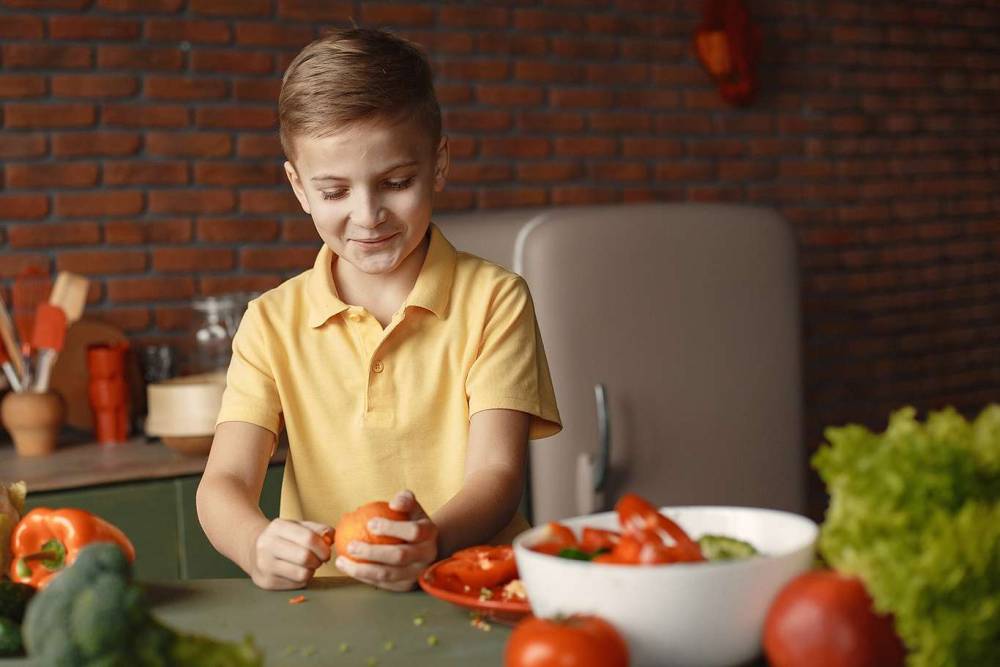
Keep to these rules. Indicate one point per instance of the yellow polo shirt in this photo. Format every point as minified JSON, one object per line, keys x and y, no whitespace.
{"x":370,"y":411}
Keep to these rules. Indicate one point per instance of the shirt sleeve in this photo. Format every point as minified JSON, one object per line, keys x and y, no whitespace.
{"x":251,"y":393}
{"x":510,"y":370}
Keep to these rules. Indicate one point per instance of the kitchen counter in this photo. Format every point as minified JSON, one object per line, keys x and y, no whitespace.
{"x":144,"y":488}
{"x":336,"y":611}
{"x":91,"y":464}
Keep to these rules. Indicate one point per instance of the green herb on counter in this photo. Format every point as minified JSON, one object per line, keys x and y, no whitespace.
{"x":915,"y":514}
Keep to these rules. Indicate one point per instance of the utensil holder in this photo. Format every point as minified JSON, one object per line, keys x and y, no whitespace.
{"x":33,"y":421}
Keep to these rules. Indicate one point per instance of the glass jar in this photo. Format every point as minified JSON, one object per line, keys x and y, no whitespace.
{"x":211,"y":337}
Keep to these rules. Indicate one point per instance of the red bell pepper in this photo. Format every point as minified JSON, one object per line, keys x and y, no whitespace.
{"x":645,"y":523}
{"x":46,"y":541}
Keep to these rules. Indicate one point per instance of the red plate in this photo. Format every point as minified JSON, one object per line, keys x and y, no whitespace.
{"x":503,"y":611}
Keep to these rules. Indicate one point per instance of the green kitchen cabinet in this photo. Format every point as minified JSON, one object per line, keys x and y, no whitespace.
{"x":145,"y":511}
{"x":160,"y":518}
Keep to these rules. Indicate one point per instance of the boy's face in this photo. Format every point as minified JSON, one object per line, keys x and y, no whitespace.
{"x":368,"y":189}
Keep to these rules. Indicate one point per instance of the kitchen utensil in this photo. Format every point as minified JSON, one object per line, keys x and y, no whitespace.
{"x":9,"y":341}
{"x":47,"y":336}
{"x":693,"y":614}
{"x":503,"y":611}
{"x":70,"y":294}
{"x":32,"y":286}
{"x":8,"y":370}
{"x":33,"y":420}
{"x":108,"y":391}
{"x":69,"y":375}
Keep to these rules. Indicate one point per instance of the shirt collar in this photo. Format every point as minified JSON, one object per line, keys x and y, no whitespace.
{"x":431,"y":291}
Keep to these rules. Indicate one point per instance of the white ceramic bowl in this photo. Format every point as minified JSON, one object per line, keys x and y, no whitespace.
{"x":682,"y":615}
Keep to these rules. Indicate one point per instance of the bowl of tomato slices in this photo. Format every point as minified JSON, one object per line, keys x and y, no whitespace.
{"x":684,"y":585}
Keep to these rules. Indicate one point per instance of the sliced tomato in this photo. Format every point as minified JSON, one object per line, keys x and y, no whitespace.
{"x":595,"y":539}
{"x":478,"y":567}
{"x":558,"y":537}
{"x":638,"y":516}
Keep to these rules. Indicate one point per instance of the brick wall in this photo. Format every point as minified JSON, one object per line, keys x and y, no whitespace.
{"x":138,"y":147}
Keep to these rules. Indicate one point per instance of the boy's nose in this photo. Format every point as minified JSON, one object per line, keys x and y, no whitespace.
{"x":368,"y":213}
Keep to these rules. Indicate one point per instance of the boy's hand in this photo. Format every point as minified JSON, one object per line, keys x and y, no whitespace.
{"x":395,"y":567}
{"x":287,"y":553}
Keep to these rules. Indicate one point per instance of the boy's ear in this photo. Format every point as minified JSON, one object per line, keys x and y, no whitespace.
{"x":441,"y":165}
{"x":293,"y":179}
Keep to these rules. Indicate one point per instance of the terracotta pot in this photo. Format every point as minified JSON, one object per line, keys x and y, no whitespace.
{"x":33,"y":421}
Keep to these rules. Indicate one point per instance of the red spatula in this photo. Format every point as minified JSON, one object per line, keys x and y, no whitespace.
{"x":47,"y":336}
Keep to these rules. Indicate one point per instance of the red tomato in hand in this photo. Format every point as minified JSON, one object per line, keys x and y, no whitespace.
{"x":825,"y":619}
{"x":575,"y":641}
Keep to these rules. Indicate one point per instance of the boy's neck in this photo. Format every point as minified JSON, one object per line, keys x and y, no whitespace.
{"x":380,"y":294}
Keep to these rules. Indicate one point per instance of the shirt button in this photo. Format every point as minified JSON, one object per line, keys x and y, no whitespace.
{"x":377,"y":366}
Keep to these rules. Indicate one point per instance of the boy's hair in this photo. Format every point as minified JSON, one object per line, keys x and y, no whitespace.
{"x":356,"y":75}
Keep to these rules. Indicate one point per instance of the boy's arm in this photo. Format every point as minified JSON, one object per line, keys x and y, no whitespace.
{"x":494,"y":481}
{"x":278,"y":554}
{"x":229,"y":492}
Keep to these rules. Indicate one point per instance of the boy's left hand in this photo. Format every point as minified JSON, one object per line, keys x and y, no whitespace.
{"x":394,"y":567}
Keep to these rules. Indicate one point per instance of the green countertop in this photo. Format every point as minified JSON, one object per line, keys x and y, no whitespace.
{"x":335,"y":611}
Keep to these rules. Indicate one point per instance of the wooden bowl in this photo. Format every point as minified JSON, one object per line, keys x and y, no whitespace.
{"x":182,"y":411}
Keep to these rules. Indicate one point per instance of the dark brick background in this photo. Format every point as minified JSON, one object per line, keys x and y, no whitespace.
{"x":138,"y":147}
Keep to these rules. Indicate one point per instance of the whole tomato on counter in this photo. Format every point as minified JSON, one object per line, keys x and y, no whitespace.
{"x":825,"y":619}
{"x":575,"y":641}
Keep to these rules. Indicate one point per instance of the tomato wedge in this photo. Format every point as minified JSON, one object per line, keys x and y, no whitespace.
{"x":639,"y":519}
{"x":478,"y":567}
{"x":559,"y":537}
{"x":595,"y":539}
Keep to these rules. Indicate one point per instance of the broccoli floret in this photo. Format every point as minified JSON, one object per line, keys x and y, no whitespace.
{"x":92,"y":615}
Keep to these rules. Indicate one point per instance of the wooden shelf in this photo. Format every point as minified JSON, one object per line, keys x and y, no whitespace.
{"x":74,"y":466}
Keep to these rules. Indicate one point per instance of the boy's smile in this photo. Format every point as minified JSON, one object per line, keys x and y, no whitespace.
{"x":368,"y":188}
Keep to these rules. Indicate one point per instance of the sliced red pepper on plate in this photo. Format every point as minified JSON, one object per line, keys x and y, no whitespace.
{"x":477,"y":568}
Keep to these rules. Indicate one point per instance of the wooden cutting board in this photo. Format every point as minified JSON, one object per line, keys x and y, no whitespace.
{"x":69,"y":375}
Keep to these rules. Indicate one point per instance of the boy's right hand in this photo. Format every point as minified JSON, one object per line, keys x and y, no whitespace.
{"x":287,"y":553}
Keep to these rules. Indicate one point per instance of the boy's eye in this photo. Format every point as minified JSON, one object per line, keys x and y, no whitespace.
{"x":399,"y":184}
{"x":395,"y":184}
{"x":339,"y":193}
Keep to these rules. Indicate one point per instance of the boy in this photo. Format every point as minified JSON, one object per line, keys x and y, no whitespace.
{"x":394,"y":363}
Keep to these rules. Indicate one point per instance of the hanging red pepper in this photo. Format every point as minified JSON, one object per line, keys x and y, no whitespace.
{"x":728,"y":45}
{"x":46,"y":541}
